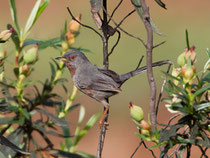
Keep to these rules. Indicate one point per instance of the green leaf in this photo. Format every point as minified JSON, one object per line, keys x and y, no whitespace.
{"x":55,"y":119}
{"x":14,"y":15}
{"x":202,"y":106}
{"x":88,"y":125}
{"x":60,"y":153}
{"x":6,"y":120}
{"x":144,"y":137}
{"x":86,"y":155}
{"x":159,"y":144}
{"x":206,"y":78}
{"x":12,"y":141}
{"x":35,"y":13}
{"x":43,"y":44}
{"x":15,"y":37}
{"x":32,"y":16}
{"x":41,"y":9}
{"x":139,"y":10}
{"x":187,"y":40}
{"x":160,"y":3}
{"x":81,"y":115}
{"x":202,"y":90}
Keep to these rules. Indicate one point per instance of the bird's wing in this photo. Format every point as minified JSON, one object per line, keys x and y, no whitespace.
{"x":99,"y":82}
{"x":111,"y":74}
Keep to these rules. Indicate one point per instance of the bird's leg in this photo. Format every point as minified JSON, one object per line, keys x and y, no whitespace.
{"x":103,"y":116}
{"x":106,"y":106}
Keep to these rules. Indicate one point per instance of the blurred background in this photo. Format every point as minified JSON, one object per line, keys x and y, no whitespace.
{"x":180,"y":15}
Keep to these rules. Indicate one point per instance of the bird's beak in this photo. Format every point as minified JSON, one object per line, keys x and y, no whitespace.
{"x":61,"y":58}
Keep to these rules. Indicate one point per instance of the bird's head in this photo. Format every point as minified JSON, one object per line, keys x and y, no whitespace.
{"x":73,"y":59}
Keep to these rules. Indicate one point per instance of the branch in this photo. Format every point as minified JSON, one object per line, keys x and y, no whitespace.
{"x":161,"y":91}
{"x":89,"y":27}
{"x":149,"y":149}
{"x":118,"y":39}
{"x":136,"y":148}
{"x":139,"y":62}
{"x":159,"y":44}
{"x":106,"y":65}
{"x":124,"y":30}
{"x":150,"y":76}
{"x":115,"y":10}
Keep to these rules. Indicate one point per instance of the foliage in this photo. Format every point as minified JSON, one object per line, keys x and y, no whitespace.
{"x":18,"y":111}
{"x":189,"y":97}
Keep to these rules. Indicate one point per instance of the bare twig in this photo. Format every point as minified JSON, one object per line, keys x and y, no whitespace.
{"x":178,"y":146}
{"x":161,"y":91}
{"x":159,"y":44}
{"x":115,"y":10}
{"x":173,"y":117}
{"x":125,"y":18}
{"x":89,"y":27}
{"x":153,"y":154}
{"x":139,"y":62}
{"x":136,"y":148}
{"x":118,"y":39}
{"x":126,"y":31}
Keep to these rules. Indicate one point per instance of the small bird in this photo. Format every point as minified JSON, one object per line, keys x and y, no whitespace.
{"x":97,"y":83}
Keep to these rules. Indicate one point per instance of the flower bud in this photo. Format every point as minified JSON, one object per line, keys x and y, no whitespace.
{"x":145,"y":132}
{"x":25,"y":70}
{"x":181,"y":61}
{"x":31,"y":56}
{"x":70,"y":38}
{"x":145,"y":125}
{"x":5,"y":35}
{"x":74,"y":25}
{"x":191,"y":53}
{"x":136,"y":112}
{"x":64,"y":46}
{"x":188,"y":72}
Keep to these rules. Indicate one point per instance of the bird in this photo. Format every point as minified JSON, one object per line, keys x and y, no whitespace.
{"x":97,"y":83}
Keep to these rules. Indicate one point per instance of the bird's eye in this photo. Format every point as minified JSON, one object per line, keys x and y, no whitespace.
{"x":73,"y":57}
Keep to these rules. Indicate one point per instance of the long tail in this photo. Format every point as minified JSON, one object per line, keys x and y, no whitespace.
{"x":125,"y":77}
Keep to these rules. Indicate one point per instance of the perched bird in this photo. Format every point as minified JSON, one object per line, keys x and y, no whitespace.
{"x":98,"y":83}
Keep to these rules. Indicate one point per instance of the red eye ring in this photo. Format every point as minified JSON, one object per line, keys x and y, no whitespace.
{"x":73,"y":57}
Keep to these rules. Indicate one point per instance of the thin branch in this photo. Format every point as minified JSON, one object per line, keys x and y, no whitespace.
{"x":106,"y":65}
{"x":125,"y":18}
{"x":178,"y":146}
{"x":204,"y":152}
{"x":126,"y":31}
{"x":118,"y":39}
{"x":153,"y":154}
{"x":161,"y":91}
{"x":139,"y":62}
{"x":159,"y":44}
{"x":137,"y":148}
{"x":150,"y":76}
{"x":89,"y":27}
{"x":115,"y":10}
{"x":173,"y":117}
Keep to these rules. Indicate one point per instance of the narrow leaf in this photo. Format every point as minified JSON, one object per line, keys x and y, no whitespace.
{"x":32,"y":17}
{"x":55,"y":119}
{"x":88,"y":125}
{"x":14,"y":15}
{"x":202,"y":90}
{"x":202,"y":106}
{"x":160,"y":3}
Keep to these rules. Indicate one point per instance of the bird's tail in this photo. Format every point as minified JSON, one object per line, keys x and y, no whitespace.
{"x":126,"y":76}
